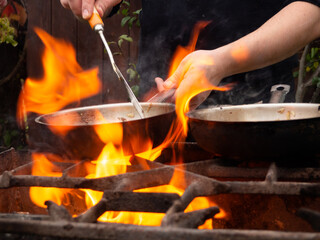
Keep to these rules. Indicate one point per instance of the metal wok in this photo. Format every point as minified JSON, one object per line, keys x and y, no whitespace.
{"x":270,"y":132}
{"x":82,"y":142}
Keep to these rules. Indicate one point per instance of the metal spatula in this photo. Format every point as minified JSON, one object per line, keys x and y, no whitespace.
{"x":97,"y":25}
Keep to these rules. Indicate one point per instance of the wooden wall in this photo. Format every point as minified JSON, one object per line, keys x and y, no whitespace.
{"x":50,"y":16}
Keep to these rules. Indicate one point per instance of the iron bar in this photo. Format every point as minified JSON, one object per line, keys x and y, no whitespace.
{"x":161,"y":176}
{"x":216,"y":169}
{"x":190,"y":219}
{"x":130,"y":232}
{"x":129,"y":201}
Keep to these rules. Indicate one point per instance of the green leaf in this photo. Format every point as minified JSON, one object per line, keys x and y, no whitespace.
{"x":315,"y":80}
{"x":126,"y":38}
{"x":308,"y":57}
{"x":131,"y":21}
{"x":318,"y":85}
{"x":126,"y":3}
{"x":308,"y":69}
{"x":137,"y":12}
{"x":120,"y":42}
{"x":132,"y":73}
{"x":135,"y":90}
{"x":315,"y":64}
{"x":125,"y":12}
{"x":295,"y":74}
{"x":125,"y":20}
{"x":138,"y":23}
{"x":7,"y":33}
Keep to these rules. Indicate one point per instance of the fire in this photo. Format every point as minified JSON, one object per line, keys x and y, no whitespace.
{"x":183,"y":100}
{"x":43,"y":167}
{"x":64,"y":82}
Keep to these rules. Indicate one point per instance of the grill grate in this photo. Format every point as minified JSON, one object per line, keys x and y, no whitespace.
{"x":201,"y":178}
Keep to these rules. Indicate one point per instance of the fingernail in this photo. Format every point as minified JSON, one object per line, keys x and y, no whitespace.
{"x":85,"y":14}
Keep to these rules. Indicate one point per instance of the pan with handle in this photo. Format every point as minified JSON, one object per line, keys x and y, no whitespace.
{"x":82,"y":141}
{"x":278,"y":132}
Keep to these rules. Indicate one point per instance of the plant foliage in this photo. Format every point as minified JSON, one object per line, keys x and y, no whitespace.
{"x":7,"y":32}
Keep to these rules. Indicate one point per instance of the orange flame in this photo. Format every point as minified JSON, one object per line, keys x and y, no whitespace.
{"x":43,"y":167}
{"x":183,"y":99}
{"x":63,"y":82}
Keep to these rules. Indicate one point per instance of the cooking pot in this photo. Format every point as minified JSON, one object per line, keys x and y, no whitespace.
{"x":82,"y":141}
{"x":269,"y":132}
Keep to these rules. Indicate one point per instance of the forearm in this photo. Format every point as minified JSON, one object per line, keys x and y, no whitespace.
{"x":279,"y":38}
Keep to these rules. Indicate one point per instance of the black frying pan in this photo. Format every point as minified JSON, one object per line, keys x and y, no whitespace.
{"x":272,"y":132}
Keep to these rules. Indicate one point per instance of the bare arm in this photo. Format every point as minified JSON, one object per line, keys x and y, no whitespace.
{"x":280,"y":37}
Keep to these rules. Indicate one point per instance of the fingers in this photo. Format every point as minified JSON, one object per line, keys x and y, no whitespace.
{"x":159,"y":82}
{"x":176,"y":78}
{"x":65,"y":4}
{"x":87,"y":8}
{"x":104,"y":7}
{"x":80,"y":8}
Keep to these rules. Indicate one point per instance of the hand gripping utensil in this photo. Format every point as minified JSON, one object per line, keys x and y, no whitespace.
{"x":97,"y":25}
{"x":163,"y":96}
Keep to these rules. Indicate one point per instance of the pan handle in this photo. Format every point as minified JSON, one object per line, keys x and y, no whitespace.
{"x":278,"y":93}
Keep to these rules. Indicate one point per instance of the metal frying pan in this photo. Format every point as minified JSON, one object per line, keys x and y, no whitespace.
{"x":82,"y":142}
{"x":272,"y":132}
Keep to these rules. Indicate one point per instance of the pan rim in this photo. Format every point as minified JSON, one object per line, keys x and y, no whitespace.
{"x":40,"y":119}
{"x":194,"y":114}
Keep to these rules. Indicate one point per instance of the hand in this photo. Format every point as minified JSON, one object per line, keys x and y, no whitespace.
{"x":197,"y":74}
{"x":84,"y":8}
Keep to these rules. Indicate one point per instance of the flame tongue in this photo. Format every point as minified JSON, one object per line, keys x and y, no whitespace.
{"x":63,"y":81}
{"x":183,"y":98}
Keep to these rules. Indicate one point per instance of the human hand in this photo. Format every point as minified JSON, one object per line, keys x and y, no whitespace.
{"x":197,"y":74}
{"x":84,"y":8}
